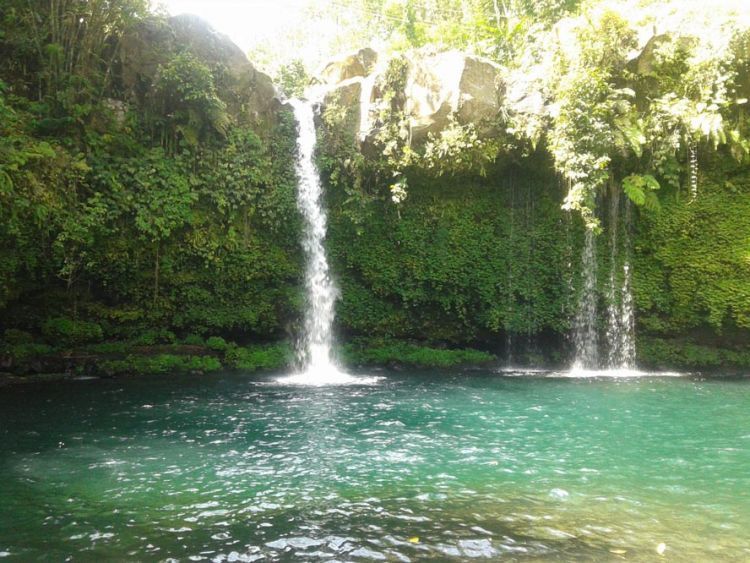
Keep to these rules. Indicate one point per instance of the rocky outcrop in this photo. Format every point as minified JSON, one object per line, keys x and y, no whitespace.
{"x":249,"y":94}
{"x":353,"y":65}
{"x":435,"y":90}
{"x":451,"y":85}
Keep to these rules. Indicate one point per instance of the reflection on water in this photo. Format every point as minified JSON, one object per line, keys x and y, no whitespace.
{"x":413,"y":466}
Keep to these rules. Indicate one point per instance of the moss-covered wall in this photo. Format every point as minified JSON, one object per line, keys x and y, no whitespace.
{"x":461,"y":260}
{"x":472,"y":260}
{"x":692,"y":272}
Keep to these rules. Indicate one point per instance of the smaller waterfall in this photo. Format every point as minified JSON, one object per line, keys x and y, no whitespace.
{"x":621,"y":324}
{"x":586,"y":335}
{"x":619,"y":343}
{"x":627,"y":323}
{"x":693,"y":168}
{"x":613,"y":316}
{"x":365,"y":101}
{"x":368,"y":106}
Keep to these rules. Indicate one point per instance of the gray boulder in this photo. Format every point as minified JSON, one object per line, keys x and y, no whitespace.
{"x":438,"y":88}
{"x":249,"y":94}
{"x":352,"y":65}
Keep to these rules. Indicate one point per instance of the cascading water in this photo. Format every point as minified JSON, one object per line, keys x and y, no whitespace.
{"x":693,"y":170}
{"x":620,"y":325}
{"x":365,"y":101}
{"x":627,"y":322}
{"x":314,"y":354}
{"x":613,"y":313}
{"x":620,"y":341}
{"x":586,"y":335}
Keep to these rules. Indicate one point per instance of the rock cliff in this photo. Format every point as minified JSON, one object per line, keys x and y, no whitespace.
{"x":249,"y":94}
{"x":433,"y":89}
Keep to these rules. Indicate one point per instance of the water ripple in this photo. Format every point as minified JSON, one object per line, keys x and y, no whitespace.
{"x":417,"y":467}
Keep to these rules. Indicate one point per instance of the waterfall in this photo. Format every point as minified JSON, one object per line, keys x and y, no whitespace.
{"x":620,"y":331}
{"x":365,"y":100}
{"x":613,"y":311}
{"x":586,"y":335}
{"x":627,"y":322}
{"x":693,"y":168}
{"x":314,"y":354}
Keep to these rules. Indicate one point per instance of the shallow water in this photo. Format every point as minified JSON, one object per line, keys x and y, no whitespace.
{"x":413,"y":466}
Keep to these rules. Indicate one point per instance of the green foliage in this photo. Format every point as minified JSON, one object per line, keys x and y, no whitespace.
{"x":110,"y":348}
{"x":216,"y":343}
{"x":63,"y":52}
{"x":466,"y":259}
{"x":293,"y":78}
{"x":640,"y":190}
{"x":21,"y":355}
{"x":615,"y":115}
{"x":459,"y":149}
{"x":661,"y":353}
{"x":161,"y":364}
{"x":14,"y":336}
{"x":692,"y":260}
{"x":185,"y":94}
{"x":194,"y":340}
{"x":253,"y":358}
{"x":70,"y":332}
{"x":584,"y":135}
{"x":406,"y":354}
{"x":175,"y":216}
{"x":491,"y":28}
{"x":152,"y":337}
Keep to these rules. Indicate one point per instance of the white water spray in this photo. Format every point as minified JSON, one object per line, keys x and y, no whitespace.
{"x":620,"y":339}
{"x":314,"y":354}
{"x":693,"y":170}
{"x":621,"y":324}
{"x":613,"y":313}
{"x":586,"y":335}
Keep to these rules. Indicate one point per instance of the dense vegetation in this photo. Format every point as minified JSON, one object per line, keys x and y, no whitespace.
{"x":149,"y":224}
{"x":151,"y":217}
{"x":433,"y":241}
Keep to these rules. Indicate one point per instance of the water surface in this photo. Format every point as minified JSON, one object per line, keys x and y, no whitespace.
{"x":445,"y":466}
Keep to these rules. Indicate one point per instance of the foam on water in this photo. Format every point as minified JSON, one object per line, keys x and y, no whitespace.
{"x":617,"y":373}
{"x":324,"y":378}
{"x":579,"y":373}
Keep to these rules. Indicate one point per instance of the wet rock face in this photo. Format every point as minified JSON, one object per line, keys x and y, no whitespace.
{"x":438,"y":89}
{"x":249,"y":94}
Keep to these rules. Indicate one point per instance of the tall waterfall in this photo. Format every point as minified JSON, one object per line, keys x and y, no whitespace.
{"x":314,"y":354}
